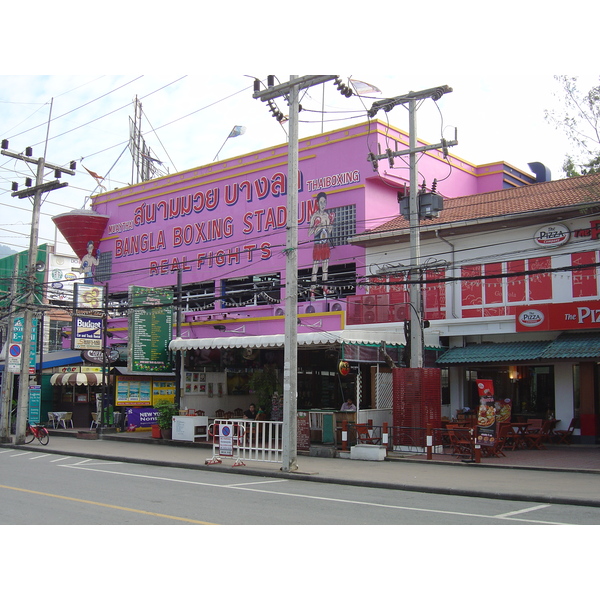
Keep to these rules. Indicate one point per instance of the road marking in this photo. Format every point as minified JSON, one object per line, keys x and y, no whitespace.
{"x":323,"y":498}
{"x":524,"y":510}
{"x":233,"y":485}
{"x":112,"y":506}
{"x":20,"y":454}
{"x":38,"y":456}
{"x":60,"y":459}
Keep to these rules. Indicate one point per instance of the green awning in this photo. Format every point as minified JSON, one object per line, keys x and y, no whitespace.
{"x":489,"y":352}
{"x":566,"y":346}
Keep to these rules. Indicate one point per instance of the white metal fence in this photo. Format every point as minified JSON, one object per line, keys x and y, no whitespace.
{"x":249,"y":440}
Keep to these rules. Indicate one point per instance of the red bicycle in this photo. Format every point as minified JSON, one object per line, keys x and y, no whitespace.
{"x":36,"y":431}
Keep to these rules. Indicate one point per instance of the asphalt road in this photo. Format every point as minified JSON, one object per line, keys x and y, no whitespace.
{"x":48,"y":489}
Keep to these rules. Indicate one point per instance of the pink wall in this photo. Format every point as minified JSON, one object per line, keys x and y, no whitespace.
{"x":228,"y":219}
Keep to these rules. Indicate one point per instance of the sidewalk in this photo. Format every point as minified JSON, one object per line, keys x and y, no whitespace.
{"x":559,"y":474}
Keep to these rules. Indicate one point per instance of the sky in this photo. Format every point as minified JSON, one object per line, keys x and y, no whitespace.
{"x":500,"y":64}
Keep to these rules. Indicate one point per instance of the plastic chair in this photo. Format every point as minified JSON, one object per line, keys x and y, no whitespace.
{"x":66,"y":418}
{"x":52,"y":419}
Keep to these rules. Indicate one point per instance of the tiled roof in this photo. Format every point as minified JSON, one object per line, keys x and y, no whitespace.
{"x":566,"y":345}
{"x":562,"y":193}
{"x":490,"y":352}
{"x":574,"y":345}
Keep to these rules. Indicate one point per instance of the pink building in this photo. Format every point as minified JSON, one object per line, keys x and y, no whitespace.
{"x":222,"y":228}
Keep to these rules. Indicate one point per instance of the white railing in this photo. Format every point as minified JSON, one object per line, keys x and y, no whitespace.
{"x":250,"y":440}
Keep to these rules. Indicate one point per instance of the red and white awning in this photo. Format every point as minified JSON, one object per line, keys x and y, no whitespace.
{"x":76,"y":379}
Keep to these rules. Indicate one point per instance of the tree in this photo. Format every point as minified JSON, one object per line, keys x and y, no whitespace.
{"x":579,"y":118}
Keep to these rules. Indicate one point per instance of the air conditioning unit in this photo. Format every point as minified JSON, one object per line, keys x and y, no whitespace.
{"x":317,"y":306}
{"x":337,"y":306}
{"x":278,"y":312}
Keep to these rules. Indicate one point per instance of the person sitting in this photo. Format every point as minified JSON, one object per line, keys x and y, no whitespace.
{"x":250,"y":413}
{"x":348,"y":406}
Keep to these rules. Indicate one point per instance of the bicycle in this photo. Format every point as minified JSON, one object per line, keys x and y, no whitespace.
{"x":36,"y":431}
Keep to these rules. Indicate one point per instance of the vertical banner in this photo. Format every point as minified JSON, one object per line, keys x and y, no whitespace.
{"x":503,"y":410}
{"x":486,"y":415}
{"x":35,"y":402}
{"x":151,"y":329}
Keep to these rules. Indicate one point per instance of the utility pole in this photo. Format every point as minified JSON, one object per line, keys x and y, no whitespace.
{"x":416,"y":310}
{"x":290,"y":90}
{"x":35,"y":191}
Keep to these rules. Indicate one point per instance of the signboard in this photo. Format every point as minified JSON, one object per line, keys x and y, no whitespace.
{"x":141,"y":418}
{"x":87,"y":333}
{"x":225,"y":439}
{"x":557,"y":317}
{"x":151,"y":329}
{"x":303,"y":431}
{"x":15,"y":348}
{"x":133,"y":391}
{"x":35,"y":402}
{"x":89,"y":297}
{"x":486,"y":415}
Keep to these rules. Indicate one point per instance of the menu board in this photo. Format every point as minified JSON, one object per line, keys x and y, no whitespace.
{"x":303,"y":432}
{"x":151,"y":327}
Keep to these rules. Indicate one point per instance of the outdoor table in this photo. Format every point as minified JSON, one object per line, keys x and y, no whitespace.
{"x":520,"y":430}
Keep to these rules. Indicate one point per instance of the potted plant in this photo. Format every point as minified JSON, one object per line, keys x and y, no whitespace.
{"x":166,"y":411}
{"x":264,"y":384}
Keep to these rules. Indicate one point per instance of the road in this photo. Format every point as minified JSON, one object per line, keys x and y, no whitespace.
{"x":50,"y":489}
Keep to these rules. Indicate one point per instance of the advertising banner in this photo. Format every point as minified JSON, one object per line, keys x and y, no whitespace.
{"x":558,"y":317}
{"x":486,"y":415}
{"x":141,"y":418}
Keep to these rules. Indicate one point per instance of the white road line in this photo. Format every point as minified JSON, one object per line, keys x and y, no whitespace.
{"x":325,"y":499}
{"x":233,"y":485}
{"x":524,"y":510}
{"x":63,"y":458}
{"x":20,"y":454}
{"x":39,"y":456}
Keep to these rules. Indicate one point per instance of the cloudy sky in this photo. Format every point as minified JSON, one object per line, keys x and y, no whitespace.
{"x":500,"y":64}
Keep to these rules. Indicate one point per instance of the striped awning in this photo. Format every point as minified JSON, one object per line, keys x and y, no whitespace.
{"x":76,"y":379}
{"x":321,"y":338}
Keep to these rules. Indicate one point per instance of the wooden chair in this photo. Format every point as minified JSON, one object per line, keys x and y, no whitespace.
{"x":535,"y":425}
{"x":219,"y":414}
{"x":238,"y":412}
{"x":364,"y":435}
{"x":66,"y":418}
{"x":228,"y":415}
{"x":535,"y":439}
{"x":563,"y":436}
{"x":199,"y":413}
{"x":501,"y":437}
{"x":461,"y":442}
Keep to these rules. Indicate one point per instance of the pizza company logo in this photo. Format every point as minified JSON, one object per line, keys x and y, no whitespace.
{"x":531,"y":318}
{"x":552,"y":236}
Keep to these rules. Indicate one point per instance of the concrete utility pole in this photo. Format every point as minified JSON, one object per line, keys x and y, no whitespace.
{"x":35,"y":191}
{"x":416,"y":310}
{"x":290,"y":360}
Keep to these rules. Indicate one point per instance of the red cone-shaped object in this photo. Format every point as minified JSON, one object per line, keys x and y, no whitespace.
{"x":80,"y":227}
